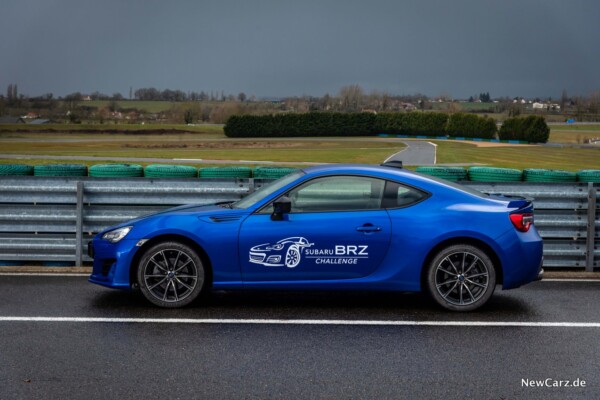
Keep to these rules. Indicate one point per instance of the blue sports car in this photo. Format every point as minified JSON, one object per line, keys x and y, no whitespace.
{"x":336,"y":227}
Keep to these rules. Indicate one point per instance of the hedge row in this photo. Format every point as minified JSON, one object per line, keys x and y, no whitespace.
{"x":471,"y":126}
{"x":151,"y":171}
{"x":490,"y":174}
{"x":412,"y":123}
{"x":337,"y":124}
{"x":314,"y":124}
{"x":532,"y":129}
{"x":309,"y":124}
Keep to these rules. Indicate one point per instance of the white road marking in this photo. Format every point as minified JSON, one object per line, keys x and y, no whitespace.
{"x":306,"y":322}
{"x":40,"y":274}
{"x":569,"y":280}
{"x":434,"y":152}
{"x":395,"y":154}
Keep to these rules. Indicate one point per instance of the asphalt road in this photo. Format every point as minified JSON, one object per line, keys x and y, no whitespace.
{"x":64,"y":338}
{"x":416,"y":153}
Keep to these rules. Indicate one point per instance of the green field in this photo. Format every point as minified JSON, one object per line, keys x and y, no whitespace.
{"x":60,"y":130}
{"x":575,"y":128}
{"x":207,"y":142}
{"x":574,"y":134}
{"x":520,"y":156}
{"x":190,"y":147}
{"x":147,"y":106}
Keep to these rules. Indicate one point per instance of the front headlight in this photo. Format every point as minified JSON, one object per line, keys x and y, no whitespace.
{"x":117,"y":234}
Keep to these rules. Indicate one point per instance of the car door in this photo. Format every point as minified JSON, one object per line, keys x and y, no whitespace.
{"x":337,"y":229}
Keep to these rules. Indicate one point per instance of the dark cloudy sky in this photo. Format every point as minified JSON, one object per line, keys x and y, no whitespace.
{"x":280,"y":48}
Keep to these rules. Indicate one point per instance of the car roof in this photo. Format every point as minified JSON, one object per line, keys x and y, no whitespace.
{"x":389,"y":172}
{"x":367,"y":169}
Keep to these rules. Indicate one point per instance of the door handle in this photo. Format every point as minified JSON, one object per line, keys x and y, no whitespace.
{"x":368,"y":228}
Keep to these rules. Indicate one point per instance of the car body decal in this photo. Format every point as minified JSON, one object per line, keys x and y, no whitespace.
{"x":289,"y":252}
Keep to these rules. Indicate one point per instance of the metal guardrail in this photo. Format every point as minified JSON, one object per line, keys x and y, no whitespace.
{"x":566,"y":216}
{"x":52,"y":219}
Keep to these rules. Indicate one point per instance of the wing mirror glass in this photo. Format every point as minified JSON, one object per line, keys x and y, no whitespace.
{"x":281,"y":206}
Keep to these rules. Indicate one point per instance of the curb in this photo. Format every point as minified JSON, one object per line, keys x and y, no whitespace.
{"x":49,"y":270}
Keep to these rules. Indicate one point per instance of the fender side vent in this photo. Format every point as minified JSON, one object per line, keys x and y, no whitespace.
{"x":225,"y":218}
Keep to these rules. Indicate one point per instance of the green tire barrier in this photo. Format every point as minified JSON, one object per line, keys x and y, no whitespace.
{"x":15,"y":169}
{"x":448,"y":173}
{"x":589,"y":175}
{"x":170,"y":171}
{"x":225,"y":172}
{"x":490,"y":174}
{"x":60,"y":170}
{"x":548,"y":175}
{"x":272,"y":172}
{"x":116,"y":170}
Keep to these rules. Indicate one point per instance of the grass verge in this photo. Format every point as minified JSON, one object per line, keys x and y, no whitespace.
{"x":520,"y":157}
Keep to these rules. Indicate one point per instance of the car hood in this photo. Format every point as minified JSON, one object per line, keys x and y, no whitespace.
{"x":203,"y":212}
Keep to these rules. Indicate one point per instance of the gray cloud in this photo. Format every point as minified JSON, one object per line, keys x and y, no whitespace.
{"x":277,"y":48}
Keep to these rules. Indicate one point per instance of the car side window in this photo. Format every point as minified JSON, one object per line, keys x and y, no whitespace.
{"x":398,"y":195}
{"x":338,"y":193}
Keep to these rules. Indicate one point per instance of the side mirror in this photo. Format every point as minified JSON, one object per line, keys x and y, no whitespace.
{"x":281,"y":206}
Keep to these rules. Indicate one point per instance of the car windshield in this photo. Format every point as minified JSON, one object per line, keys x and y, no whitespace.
{"x":266,"y":190}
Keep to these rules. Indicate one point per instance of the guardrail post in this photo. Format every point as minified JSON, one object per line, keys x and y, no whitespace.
{"x":591,"y":228}
{"x":79,"y":226}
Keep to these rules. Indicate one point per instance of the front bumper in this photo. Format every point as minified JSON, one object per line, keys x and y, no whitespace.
{"x":112,"y":262}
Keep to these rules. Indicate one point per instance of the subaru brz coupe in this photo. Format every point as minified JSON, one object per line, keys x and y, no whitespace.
{"x":335,"y":227}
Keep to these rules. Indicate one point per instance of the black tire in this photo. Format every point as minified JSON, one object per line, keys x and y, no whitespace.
{"x":461,"y":278}
{"x":170,"y":275}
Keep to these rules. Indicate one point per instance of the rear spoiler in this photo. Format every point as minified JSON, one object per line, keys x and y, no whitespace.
{"x":517,"y":202}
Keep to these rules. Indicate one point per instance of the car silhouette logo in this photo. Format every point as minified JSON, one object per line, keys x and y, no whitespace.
{"x":286,"y":252}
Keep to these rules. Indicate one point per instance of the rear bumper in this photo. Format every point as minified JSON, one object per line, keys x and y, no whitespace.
{"x":522,"y":259}
{"x":540,"y":275}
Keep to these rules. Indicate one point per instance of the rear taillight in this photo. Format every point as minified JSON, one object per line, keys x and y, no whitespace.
{"x":522,"y":221}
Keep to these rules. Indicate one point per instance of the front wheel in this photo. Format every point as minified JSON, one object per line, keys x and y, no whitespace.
{"x":170,"y":275}
{"x":461,"y":278}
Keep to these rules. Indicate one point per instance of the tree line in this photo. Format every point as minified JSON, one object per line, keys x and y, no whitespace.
{"x":217,"y":106}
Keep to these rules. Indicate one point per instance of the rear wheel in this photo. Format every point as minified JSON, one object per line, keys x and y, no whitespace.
{"x":461,"y":278}
{"x":170,"y":275}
